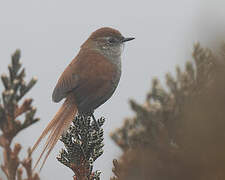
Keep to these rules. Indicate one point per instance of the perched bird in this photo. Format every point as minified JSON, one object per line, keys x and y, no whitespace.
{"x":87,"y":82}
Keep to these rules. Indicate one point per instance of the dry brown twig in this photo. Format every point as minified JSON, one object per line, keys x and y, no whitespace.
{"x":178,"y":133}
{"x":83,"y":145}
{"x":10,"y":125}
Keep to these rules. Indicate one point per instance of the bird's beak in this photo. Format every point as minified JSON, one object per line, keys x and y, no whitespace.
{"x":127,"y":39}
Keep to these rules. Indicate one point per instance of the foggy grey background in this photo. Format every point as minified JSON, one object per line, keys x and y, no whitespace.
{"x":50,"y":32}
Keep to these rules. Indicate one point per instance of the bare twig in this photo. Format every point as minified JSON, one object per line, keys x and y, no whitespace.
{"x":10,"y":110}
{"x":83,"y":145}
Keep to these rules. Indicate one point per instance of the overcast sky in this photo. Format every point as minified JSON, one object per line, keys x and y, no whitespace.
{"x":50,"y":32}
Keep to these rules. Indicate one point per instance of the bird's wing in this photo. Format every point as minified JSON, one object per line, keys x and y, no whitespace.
{"x":67,"y":82}
{"x":88,"y":72}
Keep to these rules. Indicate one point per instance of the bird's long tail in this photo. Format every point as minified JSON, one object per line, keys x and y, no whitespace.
{"x":58,"y":124}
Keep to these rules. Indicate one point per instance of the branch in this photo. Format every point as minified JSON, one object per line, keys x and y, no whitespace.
{"x":83,"y":145}
{"x":15,"y":89}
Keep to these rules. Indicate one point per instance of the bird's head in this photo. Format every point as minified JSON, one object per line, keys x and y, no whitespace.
{"x":107,"y":41}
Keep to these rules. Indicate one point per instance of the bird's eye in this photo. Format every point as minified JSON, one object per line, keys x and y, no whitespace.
{"x":112,"y":40}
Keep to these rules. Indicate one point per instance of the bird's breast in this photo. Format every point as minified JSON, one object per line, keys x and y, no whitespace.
{"x":99,"y":78}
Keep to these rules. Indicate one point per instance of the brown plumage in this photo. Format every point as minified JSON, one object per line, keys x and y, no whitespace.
{"x":87,"y":82}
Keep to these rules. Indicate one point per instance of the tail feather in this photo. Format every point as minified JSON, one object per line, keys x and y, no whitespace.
{"x":49,"y":127}
{"x":47,"y":144}
{"x":59,"y":130}
{"x":58,"y":124}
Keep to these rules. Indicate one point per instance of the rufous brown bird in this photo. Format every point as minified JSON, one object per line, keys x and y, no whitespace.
{"x":87,"y":82}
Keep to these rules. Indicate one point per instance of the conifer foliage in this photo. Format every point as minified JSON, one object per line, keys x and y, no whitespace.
{"x":179,"y":132}
{"x":12,"y":107}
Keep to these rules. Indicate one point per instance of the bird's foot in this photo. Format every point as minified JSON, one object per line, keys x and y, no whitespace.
{"x":96,"y":122}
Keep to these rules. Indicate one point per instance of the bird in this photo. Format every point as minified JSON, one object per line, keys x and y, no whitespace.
{"x":87,"y":82}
